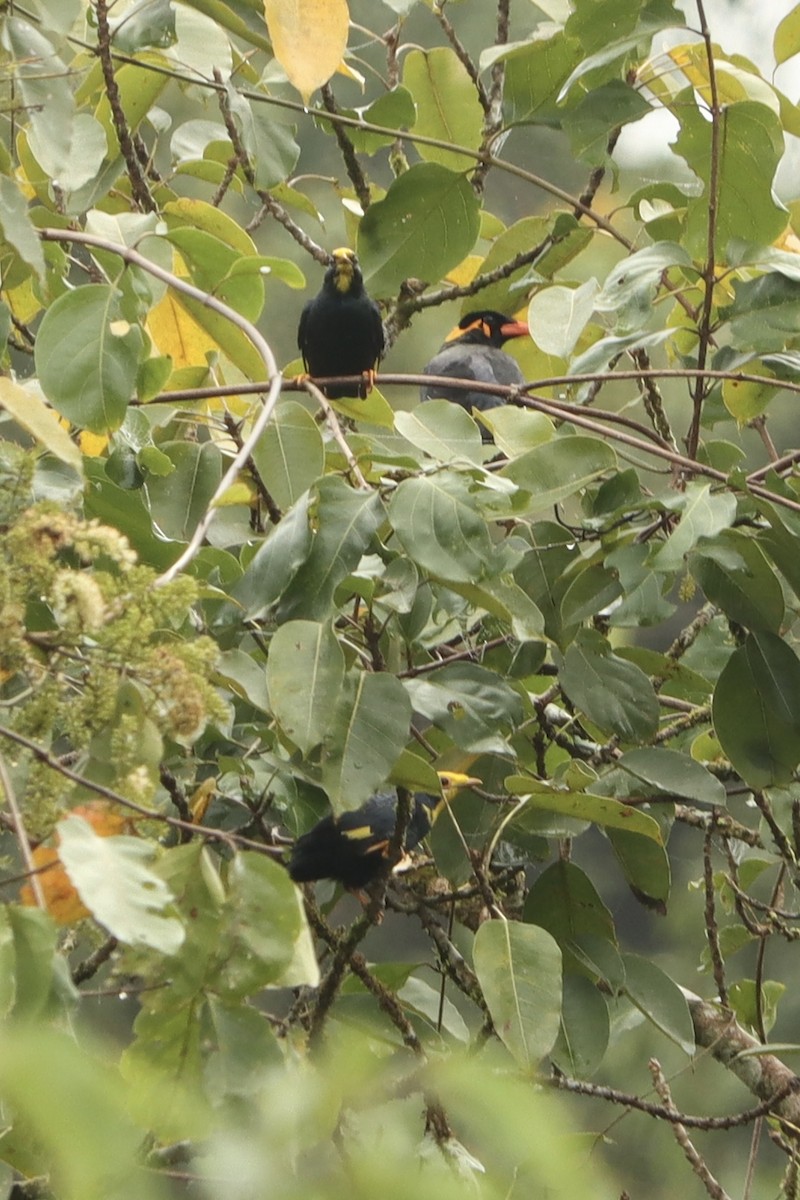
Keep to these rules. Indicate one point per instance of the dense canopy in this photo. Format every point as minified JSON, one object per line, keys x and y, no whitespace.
{"x":232,"y":606}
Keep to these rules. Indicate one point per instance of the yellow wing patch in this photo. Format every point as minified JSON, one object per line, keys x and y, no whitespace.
{"x":359,"y":834}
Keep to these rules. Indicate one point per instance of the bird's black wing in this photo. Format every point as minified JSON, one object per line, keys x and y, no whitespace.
{"x":377,"y":339}
{"x":302,"y":330}
{"x":369,"y":829}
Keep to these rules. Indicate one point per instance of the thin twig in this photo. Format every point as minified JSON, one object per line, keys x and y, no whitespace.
{"x":348,"y":152}
{"x":234,"y":430}
{"x":709,"y":269}
{"x":22,"y":833}
{"x":99,"y":789}
{"x":663,"y":1112}
{"x":697,"y":1162}
{"x":139,"y":188}
{"x":712,"y":930}
{"x":336,"y":430}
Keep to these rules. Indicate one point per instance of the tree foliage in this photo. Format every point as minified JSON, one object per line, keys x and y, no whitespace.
{"x":229,"y":606}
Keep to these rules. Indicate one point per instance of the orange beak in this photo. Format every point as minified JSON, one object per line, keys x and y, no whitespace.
{"x":515,"y":329}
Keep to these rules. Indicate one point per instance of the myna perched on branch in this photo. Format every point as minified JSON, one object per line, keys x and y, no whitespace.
{"x":473,"y":350}
{"x":352,"y":847}
{"x":340,"y":330}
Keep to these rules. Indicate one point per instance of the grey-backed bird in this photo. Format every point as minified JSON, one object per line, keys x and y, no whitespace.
{"x":474,"y":350}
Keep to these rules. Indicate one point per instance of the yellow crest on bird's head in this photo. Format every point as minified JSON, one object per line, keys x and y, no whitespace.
{"x":343,"y":267}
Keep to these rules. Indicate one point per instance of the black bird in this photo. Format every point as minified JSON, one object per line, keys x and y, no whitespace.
{"x":473,"y":350}
{"x":352,"y":847}
{"x":340,"y":330}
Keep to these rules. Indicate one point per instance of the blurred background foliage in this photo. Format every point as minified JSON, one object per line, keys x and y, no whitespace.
{"x":226,"y":610}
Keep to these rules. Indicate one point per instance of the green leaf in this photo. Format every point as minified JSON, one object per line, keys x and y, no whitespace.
{"x":444,"y":431}
{"x":780,"y":541}
{"x":394,"y":109}
{"x":8,"y":976}
{"x":76,"y":1114}
{"x":17,"y":228}
{"x":305,"y":673}
{"x":31,"y":986}
{"x":585,"y":1028}
{"x":345,"y":522}
{"x":633,"y":284}
{"x":245,"y":1047}
{"x":369,"y":732}
{"x":703,"y":515}
{"x":743,"y":1001}
{"x":504,"y":598}
{"x":675,"y":774}
{"x":114,"y":881}
{"x":590,"y":591}
{"x":535,"y":73}
{"x":734,"y":574}
{"x":437,"y":522}
{"x":557,"y":316}
{"x":447,"y":104}
{"x":87,"y":357}
{"x":269,"y":142}
{"x":419,"y":996}
{"x":558,"y":239}
{"x":31,"y":414}
{"x":519,"y":969}
{"x":473,"y":705}
{"x":603,"y":109}
{"x":127,"y":512}
{"x":180,"y":499}
{"x":427,"y":222}
{"x":601,"y":354}
{"x":244,"y":676}
{"x":290,"y":454}
{"x":564,"y":901}
{"x":786,"y":42}
{"x":276,"y":562}
{"x":559,"y":469}
{"x":43,"y":89}
{"x":265,"y":922}
{"x":139,"y":86}
{"x":516,"y":430}
{"x":750,"y":148}
{"x":185,"y":216}
{"x":645,"y":865}
{"x":543,"y":574}
{"x":614,"y":694}
{"x":609,"y":31}
{"x":212,"y":264}
{"x":660,"y":1000}
{"x":164,"y":1064}
{"x":755,"y":710}
{"x":765,"y":313}
{"x":583,"y":806}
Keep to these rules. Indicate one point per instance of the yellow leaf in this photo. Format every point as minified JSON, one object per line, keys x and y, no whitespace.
{"x":23,"y":302}
{"x":237,"y":493}
{"x":29,"y":410}
{"x":309,"y":38}
{"x":175,"y":333}
{"x":201,"y":798}
{"x":466,"y":270}
{"x":92,"y":444}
